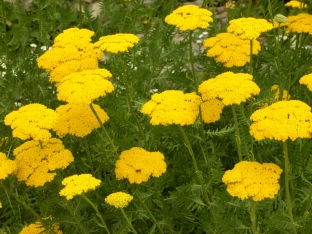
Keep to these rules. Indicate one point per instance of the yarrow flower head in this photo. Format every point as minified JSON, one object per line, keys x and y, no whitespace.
{"x":230,"y":50}
{"x":249,"y":28}
{"x":7,"y":166}
{"x":138,"y":165}
{"x":172,"y":107}
{"x":118,"y":43}
{"x":32,"y":121}
{"x":189,"y":17}
{"x":279,"y":18}
{"x":282,"y":120}
{"x":37,"y":228}
{"x":211,"y":110}
{"x":253,"y":180}
{"x":78,"y":184}
{"x":119,"y":199}
{"x":296,"y":4}
{"x":307,"y":80}
{"x":301,"y":23}
{"x":78,"y":119}
{"x":230,"y":88}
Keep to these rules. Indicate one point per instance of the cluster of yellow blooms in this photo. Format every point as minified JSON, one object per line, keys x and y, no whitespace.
{"x":36,"y":161}
{"x":32,"y":121}
{"x":37,"y":228}
{"x":296,"y":4}
{"x":119,"y":199}
{"x":307,"y":80}
{"x":211,"y":110}
{"x":253,"y":180}
{"x":189,"y":17}
{"x":301,"y":23}
{"x":7,"y":166}
{"x":172,"y":107}
{"x":282,"y":120}
{"x":78,"y":184}
{"x":137,"y":165}
{"x":230,"y":50}
{"x":231,"y":88}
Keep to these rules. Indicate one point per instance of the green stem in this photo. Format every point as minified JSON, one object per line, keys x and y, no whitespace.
{"x":104,"y":130}
{"x":80,"y":13}
{"x":192,"y":61}
{"x":253,"y":216}
{"x":97,"y":212}
{"x":128,"y":221}
{"x":88,"y":155}
{"x":39,"y":48}
{"x":237,"y":135}
{"x":54,"y":20}
{"x":287,"y":187}
{"x":75,"y":218}
{"x":249,"y":8}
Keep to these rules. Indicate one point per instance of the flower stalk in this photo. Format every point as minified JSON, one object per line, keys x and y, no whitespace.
{"x":88,"y":155}
{"x":128,"y":221}
{"x":237,"y":134}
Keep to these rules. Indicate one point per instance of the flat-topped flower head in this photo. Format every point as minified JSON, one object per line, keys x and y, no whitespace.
{"x":73,"y":36}
{"x":85,"y":86}
{"x":307,"y":80}
{"x":119,"y":199}
{"x":78,"y":119}
{"x":253,"y":180}
{"x":7,"y":166}
{"x":189,"y":17}
{"x":230,"y":50}
{"x":37,"y":228}
{"x":282,"y":120}
{"x":249,"y":28}
{"x":301,"y":23}
{"x":32,"y":121}
{"x":211,"y":110}
{"x":78,"y":184}
{"x":138,"y":165}
{"x":117,"y":43}
{"x":230,"y":88}
{"x":36,"y":163}
{"x":296,"y":4}
{"x":172,"y":107}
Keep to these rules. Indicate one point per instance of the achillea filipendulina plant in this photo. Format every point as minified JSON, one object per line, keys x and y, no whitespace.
{"x":32,"y":121}
{"x":37,"y":228}
{"x":119,"y":199}
{"x":7,"y":166}
{"x":211,"y":110}
{"x":306,"y":80}
{"x":301,"y":23}
{"x":189,"y":17}
{"x":296,"y":4}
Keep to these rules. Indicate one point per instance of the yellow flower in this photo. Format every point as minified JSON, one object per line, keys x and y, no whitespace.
{"x":32,"y":121}
{"x":78,"y":184}
{"x":307,"y":80}
{"x":296,"y":4}
{"x":253,"y":180}
{"x":231,"y":88}
{"x":7,"y":166}
{"x":230,"y":50}
{"x":119,"y":199}
{"x":119,"y":42}
{"x":78,"y":119}
{"x":172,"y":107}
{"x":248,"y":28}
{"x":37,"y":228}
{"x":282,"y":120}
{"x":189,"y":17}
{"x":37,"y":162}
{"x":85,"y":86}
{"x":301,"y":23}
{"x":211,"y":110}
{"x":137,"y":165}
{"x":0,"y":205}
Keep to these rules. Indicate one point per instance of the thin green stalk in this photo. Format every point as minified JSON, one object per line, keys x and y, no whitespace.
{"x":104,"y":130}
{"x":287,"y":187}
{"x":128,"y":221}
{"x":88,"y":155}
{"x":97,"y":212}
{"x":237,"y":135}
{"x":253,"y":216}
{"x":54,"y":20}
{"x":75,"y":218}
{"x":192,"y":61}
{"x":80,"y":13}
{"x":39,"y":48}
{"x":249,"y":8}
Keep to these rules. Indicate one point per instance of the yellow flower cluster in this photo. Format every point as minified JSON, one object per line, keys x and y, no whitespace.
{"x":37,"y":228}
{"x":78,"y":184}
{"x":7,"y":166}
{"x":296,"y":4}
{"x":301,"y":23}
{"x":119,"y":199}
{"x":231,"y":88}
{"x":116,"y":43}
{"x":249,"y":28}
{"x":230,"y":50}
{"x":137,"y":165}
{"x":282,"y":120}
{"x":85,"y":86}
{"x":253,"y":180}
{"x":72,"y":51}
{"x":189,"y":17}
{"x":32,"y":121}
{"x":36,"y":162}
{"x":307,"y":80}
{"x":172,"y":107}
{"x":78,"y":119}
{"x":211,"y":110}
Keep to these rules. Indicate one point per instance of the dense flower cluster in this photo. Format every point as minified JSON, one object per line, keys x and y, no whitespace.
{"x":279,"y":19}
{"x":301,"y":23}
{"x":296,"y":4}
{"x":36,"y":162}
{"x":37,"y":228}
{"x":120,"y":42}
{"x":211,"y":110}
{"x":307,"y":80}
{"x":78,"y":184}
{"x":78,"y":119}
{"x":231,"y":88}
{"x":85,"y":86}
{"x":32,"y":121}
{"x":282,"y":120}
{"x":230,"y":50}
{"x":138,"y":165}
{"x":7,"y":166}
{"x":253,"y":180}
{"x":248,"y":28}
{"x":189,"y":17}
{"x":119,"y":199}
{"x":172,"y":107}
